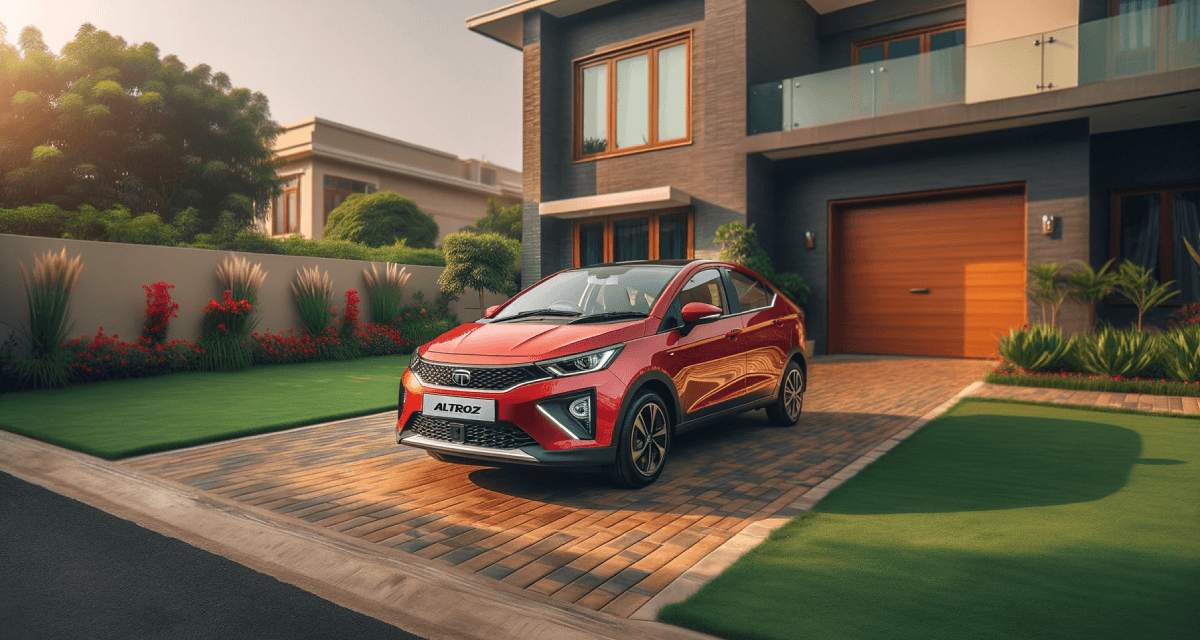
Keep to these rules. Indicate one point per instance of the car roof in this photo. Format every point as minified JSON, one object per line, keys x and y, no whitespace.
{"x":662,"y":263}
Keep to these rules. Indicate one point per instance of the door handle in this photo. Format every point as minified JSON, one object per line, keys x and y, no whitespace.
{"x":918,"y":290}
{"x":732,"y":335}
{"x":780,"y":321}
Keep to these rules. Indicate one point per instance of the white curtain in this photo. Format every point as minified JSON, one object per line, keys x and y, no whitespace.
{"x":1137,"y":23}
{"x":1187,"y":227}
{"x":1140,"y":235}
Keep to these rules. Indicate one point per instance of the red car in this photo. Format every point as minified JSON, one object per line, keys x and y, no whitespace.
{"x":604,"y":365}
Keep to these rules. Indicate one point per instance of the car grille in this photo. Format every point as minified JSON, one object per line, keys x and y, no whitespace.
{"x":496,"y":435}
{"x":482,"y":378}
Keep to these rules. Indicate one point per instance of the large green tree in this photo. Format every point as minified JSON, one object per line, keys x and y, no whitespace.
{"x":500,"y":219}
{"x":107,"y":123}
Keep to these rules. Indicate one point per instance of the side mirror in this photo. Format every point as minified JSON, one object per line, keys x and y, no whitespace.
{"x":491,"y":311}
{"x":699,"y":312}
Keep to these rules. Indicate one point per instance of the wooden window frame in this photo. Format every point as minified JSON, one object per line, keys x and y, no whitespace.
{"x":1166,"y":240}
{"x":279,"y":217}
{"x":924,"y":33}
{"x":609,"y":59}
{"x":652,"y":253}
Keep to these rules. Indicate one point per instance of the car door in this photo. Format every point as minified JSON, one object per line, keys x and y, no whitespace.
{"x":765,"y":338}
{"x":707,"y":364}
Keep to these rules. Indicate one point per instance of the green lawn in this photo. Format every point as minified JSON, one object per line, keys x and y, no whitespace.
{"x":997,"y":520}
{"x":130,"y":417}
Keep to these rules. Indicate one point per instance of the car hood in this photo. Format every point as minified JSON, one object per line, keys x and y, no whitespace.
{"x":529,"y":341}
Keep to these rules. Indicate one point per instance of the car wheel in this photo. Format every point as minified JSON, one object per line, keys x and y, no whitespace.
{"x":785,"y":411}
{"x":642,"y":442}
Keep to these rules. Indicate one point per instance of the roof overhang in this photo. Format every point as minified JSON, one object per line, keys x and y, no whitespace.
{"x":506,"y":25}
{"x":608,"y":204}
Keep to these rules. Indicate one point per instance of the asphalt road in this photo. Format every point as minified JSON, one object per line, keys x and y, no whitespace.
{"x":68,"y":570}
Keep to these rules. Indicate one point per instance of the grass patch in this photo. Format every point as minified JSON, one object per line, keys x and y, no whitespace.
{"x":996,"y":520}
{"x":125,"y":418}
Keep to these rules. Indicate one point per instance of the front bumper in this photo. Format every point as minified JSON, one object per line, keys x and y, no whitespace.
{"x":518,"y":409}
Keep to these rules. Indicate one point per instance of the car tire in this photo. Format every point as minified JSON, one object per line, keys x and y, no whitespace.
{"x":643,"y":442}
{"x":785,"y":410}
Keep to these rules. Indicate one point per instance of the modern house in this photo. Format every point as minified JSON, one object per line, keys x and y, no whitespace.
{"x":909,"y":158}
{"x":325,"y":162}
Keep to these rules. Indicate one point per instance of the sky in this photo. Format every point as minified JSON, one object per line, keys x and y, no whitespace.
{"x":408,"y":69}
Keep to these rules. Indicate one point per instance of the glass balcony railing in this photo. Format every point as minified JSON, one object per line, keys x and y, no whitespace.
{"x":873,"y":89}
{"x":1150,"y":40}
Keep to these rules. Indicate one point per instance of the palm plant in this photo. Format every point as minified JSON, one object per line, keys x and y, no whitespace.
{"x":386,"y":292}
{"x":1048,"y":288}
{"x":1192,"y":250}
{"x":48,"y":293}
{"x":1136,"y":283}
{"x":1090,"y":286}
{"x":314,"y":294}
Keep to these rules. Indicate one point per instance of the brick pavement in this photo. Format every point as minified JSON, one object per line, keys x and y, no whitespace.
{"x":570,"y":536}
{"x":1140,"y":401}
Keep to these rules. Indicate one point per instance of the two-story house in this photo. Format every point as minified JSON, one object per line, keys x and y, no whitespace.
{"x":909,"y":158}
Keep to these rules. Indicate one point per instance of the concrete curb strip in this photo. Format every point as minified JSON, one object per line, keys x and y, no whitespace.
{"x":418,"y":595}
{"x":723,"y":557}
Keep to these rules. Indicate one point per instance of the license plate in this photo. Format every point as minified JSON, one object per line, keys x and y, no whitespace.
{"x":459,"y":408}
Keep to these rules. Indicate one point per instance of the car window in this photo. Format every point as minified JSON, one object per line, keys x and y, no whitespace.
{"x":705,"y":287}
{"x":751,"y":293}
{"x":595,"y":289}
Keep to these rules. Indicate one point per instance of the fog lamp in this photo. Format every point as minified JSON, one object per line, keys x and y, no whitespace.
{"x":581,"y":409}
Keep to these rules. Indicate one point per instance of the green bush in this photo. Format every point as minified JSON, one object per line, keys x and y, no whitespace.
{"x":739,"y":245}
{"x":147,"y":228}
{"x":422,"y":321}
{"x":1180,"y":351}
{"x":1037,"y":348}
{"x":44,"y":220}
{"x":381,"y":219}
{"x":1114,"y":352}
{"x":484,"y":262}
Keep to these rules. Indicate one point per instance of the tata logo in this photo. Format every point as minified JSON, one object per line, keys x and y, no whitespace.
{"x":450,"y":407}
{"x":461,"y":377}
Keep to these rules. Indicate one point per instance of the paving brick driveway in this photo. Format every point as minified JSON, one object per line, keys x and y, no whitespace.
{"x":570,"y":536}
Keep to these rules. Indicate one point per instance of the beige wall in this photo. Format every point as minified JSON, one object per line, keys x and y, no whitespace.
{"x":1002,"y":60}
{"x":109,"y":292}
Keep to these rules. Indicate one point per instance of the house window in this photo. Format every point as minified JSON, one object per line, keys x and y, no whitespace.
{"x":338,"y":189}
{"x":634,"y":99}
{"x":1149,"y":227}
{"x":285,"y":214}
{"x":909,"y":43}
{"x":665,"y":235}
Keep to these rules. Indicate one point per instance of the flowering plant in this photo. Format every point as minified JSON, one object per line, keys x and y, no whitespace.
{"x":159,"y":311}
{"x":350,"y":314}
{"x":225,"y":333}
{"x":102,"y":357}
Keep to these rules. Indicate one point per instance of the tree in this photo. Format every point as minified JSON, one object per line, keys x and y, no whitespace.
{"x":106,"y":123}
{"x":381,"y":219}
{"x":500,"y":219}
{"x":479,"y":261}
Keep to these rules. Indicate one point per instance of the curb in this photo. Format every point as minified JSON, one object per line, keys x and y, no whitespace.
{"x":721,"y":558}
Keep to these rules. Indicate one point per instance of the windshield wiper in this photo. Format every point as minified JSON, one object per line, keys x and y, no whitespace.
{"x":608,"y":315}
{"x":540,"y":312}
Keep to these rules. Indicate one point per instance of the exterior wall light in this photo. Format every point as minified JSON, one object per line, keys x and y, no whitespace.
{"x":810,"y":240}
{"x":1049,"y":224}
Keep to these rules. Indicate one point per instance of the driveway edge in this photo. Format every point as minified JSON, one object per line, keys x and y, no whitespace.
{"x":720,"y":559}
{"x":421,"y":596}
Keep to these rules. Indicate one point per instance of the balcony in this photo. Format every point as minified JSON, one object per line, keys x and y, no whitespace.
{"x":1151,"y":41}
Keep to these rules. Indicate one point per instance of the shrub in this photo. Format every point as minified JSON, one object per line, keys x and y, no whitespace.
{"x":45,"y":220}
{"x":421,"y":321}
{"x":187,"y":224}
{"x":739,"y":245}
{"x":1113,"y":352}
{"x":1136,"y":283}
{"x":243,"y":281}
{"x":159,"y":311}
{"x":386,"y":292}
{"x":48,"y":294}
{"x":93,"y":359}
{"x":224,"y":334}
{"x":381,"y":219}
{"x":1039,"y":348}
{"x":314,"y":296}
{"x":1187,"y":315}
{"x":147,"y":228}
{"x":480,"y":262}
{"x":248,"y":241}
{"x":500,"y":219}
{"x":1180,"y":351}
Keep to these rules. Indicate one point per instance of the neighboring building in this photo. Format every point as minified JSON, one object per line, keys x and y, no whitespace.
{"x":903,"y":156}
{"x":325,"y":162}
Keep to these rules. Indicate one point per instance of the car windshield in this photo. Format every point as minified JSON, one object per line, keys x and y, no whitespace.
{"x":591,"y":291}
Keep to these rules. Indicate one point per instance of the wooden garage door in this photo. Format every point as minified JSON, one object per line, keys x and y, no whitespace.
{"x":966,"y":249}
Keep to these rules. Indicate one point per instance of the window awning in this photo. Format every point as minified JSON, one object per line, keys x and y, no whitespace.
{"x":608,"y":204}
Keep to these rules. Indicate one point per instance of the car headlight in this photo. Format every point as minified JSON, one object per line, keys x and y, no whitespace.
{"x":581,"y":363}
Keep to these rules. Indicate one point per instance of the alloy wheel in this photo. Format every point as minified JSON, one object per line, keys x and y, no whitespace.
{"x":793,"y":396}
{"x":648,"y":439}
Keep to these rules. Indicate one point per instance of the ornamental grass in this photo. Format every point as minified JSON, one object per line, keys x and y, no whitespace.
{"x":314,"y":297}
{"x":385,"y":292}
{"x":48,"y":295}
{"x":243,"y":281}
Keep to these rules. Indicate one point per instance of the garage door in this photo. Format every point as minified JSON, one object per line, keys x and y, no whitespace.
{"x":930,"y":275}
